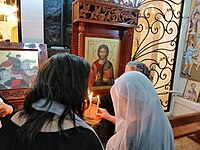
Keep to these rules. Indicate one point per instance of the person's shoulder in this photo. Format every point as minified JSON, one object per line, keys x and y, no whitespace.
{"x":85,"y":131}
{"x":90,"y":137}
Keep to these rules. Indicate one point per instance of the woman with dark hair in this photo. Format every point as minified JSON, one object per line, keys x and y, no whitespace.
{"x":102,"y":69}
{"x":50,"y":118}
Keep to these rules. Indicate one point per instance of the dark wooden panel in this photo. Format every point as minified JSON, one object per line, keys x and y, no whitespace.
{"x":184,"y":119}
{"x":186,"y":130}
{"x":52,"y":52}
{"x":105,"y":31}
{"x":185,"y":125}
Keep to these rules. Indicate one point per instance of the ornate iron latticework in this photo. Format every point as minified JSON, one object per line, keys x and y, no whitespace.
{"x":158,"y":32}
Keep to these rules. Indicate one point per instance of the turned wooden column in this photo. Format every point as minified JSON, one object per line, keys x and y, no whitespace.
{"x":81,"y":39}
{"x":122,"y":49}
{"x":128,"y":45}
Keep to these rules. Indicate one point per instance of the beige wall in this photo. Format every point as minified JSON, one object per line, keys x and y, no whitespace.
{"x":32,"y":21}
{"x":5,"y":29}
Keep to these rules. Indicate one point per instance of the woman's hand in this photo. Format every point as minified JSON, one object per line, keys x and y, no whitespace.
{"x":103,"y":114}
{"x":5,"y":109}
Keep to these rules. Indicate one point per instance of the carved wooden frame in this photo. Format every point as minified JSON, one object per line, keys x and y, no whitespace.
{"x":121,"y":17}
{"x":16,"y":96}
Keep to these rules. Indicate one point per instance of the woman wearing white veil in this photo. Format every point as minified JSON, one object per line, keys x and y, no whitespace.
{"x":140,"y":120}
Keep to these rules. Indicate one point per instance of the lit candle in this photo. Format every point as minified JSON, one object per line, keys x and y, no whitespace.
{"x":98,"y":101}
{"x":90,"y":99}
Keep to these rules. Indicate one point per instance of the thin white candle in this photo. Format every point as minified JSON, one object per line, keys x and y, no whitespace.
{"x":98,"y":102}
{"x":90,"y":99}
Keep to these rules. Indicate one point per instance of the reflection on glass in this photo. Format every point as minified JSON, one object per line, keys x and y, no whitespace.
{"x":8,"y":21}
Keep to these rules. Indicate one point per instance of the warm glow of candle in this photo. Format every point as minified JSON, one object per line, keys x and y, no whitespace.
{"x":98,"y":102}
{"x":90,"y":98}
{"x":88,"y":91}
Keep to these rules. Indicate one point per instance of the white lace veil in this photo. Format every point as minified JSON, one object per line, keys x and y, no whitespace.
{"x":140,"y":120}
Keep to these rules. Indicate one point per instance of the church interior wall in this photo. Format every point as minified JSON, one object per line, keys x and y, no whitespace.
{"x":33,"y":32}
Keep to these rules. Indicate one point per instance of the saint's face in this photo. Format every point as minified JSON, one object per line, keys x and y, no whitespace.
{"x":193,"y":86}
{"x":102,"y":54}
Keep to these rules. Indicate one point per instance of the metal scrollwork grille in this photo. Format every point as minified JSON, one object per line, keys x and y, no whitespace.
{"x":156,"y":42}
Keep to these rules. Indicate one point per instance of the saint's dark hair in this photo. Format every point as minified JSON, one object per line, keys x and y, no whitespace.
{"x":105,"y":47}
{"x":62,"y":78}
